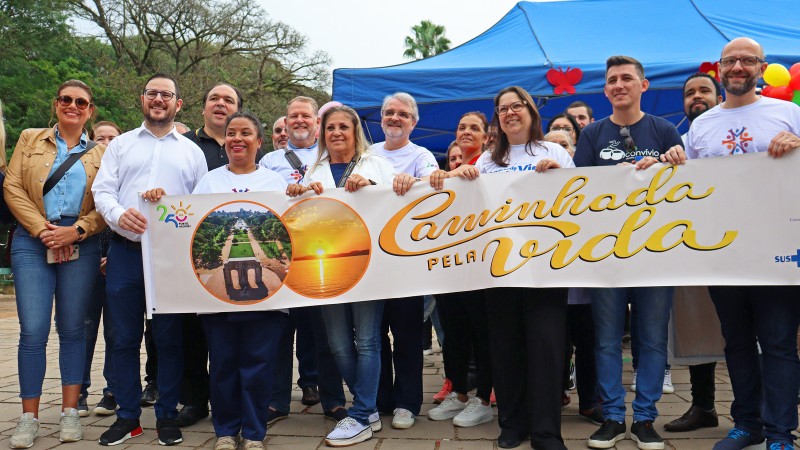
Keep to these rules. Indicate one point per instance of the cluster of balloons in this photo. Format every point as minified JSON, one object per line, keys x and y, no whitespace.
{"x":784,"y":84}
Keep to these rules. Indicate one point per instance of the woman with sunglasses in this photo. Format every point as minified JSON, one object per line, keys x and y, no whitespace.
{"x":527,"y":326}
{"x":55,"y":251}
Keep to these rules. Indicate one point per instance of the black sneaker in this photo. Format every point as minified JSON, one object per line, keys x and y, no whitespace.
{"x":336,"y":415}
{"x":149,"y":394}
{"x":107,"y":405}
{"x":646,"y":436}
{"x":121,"y":431}
{"x":593,"y":415}
{"x":608,"y":434}
{"x":274,"y":415}
{"x":310,"y":396}
{"x":168,"y":432}
{"x":83,"y":407}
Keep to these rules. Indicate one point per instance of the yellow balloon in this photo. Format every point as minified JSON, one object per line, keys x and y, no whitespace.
{"x":777,"y":75}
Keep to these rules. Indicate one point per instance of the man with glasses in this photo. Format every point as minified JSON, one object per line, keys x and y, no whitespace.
{"x":634,"y":138}
{"x":280,"y":135}
{"x":151,"y":156}
{"x":767,"y":317}
{"x":401,"y":395}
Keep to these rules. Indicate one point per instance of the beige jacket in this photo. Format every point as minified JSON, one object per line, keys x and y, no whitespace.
{"x":30,"y":165}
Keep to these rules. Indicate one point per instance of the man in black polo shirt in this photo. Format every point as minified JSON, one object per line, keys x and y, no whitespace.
{"x":219,"y":103}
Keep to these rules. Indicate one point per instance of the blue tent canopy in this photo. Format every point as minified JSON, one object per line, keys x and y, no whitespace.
{"x":670,"y":37}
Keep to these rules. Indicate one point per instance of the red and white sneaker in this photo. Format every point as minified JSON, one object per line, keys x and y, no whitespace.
{"x":447,"y":388}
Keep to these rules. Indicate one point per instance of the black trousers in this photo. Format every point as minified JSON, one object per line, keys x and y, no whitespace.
{"x":463,"y":318}
{"x":702,"y":379}
{"x":195,"y":384}
{"x":580,"y":326}
{"x":151,"y":363}
{"x":403,"y":316}
{"x":527,"y":338}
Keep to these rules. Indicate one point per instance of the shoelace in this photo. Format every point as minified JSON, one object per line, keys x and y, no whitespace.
{"x":25,"y":427}
{"x":346,"y":423}
{"x":738,"y":433}
{"x":472,"y":405}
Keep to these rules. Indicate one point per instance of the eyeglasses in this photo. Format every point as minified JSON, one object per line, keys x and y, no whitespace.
{"x":562,"y":128}
{"x":153,"y":93}
{"x":627,"y":140}
{"x":515,"y":107}
{"x":66,"y":100}
{"x":401,"y":114}
{"x":747,"y":61}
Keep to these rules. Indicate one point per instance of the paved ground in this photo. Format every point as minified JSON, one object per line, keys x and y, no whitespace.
{"x":306,"y":427}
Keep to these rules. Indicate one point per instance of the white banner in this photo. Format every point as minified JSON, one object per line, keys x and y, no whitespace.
{"x":723,"y":221}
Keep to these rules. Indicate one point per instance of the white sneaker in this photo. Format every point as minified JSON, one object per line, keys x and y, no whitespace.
{"x":448,"y":409}
{"x":475,"y":413}
{"x":667,"y":388}
{"x":227,"y":443}
{"x":403,"y":419}
{"x":71,"y":430}
{"x":26,"y":431}
{"x":375,"y":422}
{"x":348,"y":432}
{"x":633,"y":383}
{"x":427,"y":352}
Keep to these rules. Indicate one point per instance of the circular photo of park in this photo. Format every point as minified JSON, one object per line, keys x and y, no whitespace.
{"x":332,"y":247}
{"x":241,"y":252}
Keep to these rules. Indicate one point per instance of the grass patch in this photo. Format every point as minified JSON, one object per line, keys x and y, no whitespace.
{"x":242,"y":250}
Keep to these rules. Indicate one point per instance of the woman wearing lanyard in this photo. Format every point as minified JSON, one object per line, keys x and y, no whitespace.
{"x":353,"y":328}
{"x":527,"y":327}
{"x":54,"y":252}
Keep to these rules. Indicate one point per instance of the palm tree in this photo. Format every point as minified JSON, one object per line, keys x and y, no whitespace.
{"x":428,"y":40}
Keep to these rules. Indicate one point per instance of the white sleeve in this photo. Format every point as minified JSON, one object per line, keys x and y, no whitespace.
{"x":426,"y":164}
{"x":691,"y":149}
{"x":202,"y":186}
{"x":105,"y":188}
{"x":201,"y":167}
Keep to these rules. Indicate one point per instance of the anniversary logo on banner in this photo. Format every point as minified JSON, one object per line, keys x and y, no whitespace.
{"x":723,"y":221}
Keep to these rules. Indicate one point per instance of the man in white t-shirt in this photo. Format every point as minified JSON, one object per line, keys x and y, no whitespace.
{"x":319,"y":378}
{"x":764,"y":388}
{"x":401,"y":395}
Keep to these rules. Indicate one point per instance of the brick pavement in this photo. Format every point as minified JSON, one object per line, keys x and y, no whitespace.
{"x":306,"y":427}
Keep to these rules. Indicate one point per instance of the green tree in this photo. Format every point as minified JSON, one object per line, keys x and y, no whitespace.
{"x":428,"y":40}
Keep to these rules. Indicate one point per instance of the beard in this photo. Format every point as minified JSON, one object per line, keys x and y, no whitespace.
{"x":393,"y":132}
{"x":169,"y":116}
{"x":748,"y":85}
{"x":300,"y":135}
{"x":694,"y":113}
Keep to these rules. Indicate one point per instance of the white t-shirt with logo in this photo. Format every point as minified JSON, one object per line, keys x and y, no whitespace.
{"x":410,"y":159}
{"x":277,"y":161}
{"x":222,"y":180}
{"x":746,"y":129}
{"x":519,"y":160}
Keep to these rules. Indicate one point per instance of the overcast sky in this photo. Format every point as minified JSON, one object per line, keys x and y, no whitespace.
{"x":370,"y":33}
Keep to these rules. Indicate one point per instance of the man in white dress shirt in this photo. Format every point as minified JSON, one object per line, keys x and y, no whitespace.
{"x":154,"y":155}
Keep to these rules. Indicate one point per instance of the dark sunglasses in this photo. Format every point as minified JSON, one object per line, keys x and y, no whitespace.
{"x":66,"y":100}
{"x":627,"y":140}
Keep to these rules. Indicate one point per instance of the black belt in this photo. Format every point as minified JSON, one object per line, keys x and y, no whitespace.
{"x":127,"y":243}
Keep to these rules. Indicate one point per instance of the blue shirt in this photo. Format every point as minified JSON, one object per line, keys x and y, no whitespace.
{"x":601,"y":143}
{"x":66,"y":197}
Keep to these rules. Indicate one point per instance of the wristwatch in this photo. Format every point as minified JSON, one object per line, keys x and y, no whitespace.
{"x":81,"y":232}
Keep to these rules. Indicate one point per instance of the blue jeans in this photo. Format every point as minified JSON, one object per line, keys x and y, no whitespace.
{"x":608,"y":310}
{"x":635,"y":338}
{"x":326,"y":373}
{"x":98,"y":308}
{"x":125,"y":286}
{"x":354,"y":331}
{"x":241,"y":351}
{"x":763,"y":393}
{"x":36,"y":282}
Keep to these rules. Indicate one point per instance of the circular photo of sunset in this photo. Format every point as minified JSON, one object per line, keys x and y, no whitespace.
{"x":241,"y":252}
{"x":332,"y":248}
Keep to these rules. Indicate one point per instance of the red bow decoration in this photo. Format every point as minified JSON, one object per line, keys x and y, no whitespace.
{"x":709,"y":68}
{"x":564,"y":81}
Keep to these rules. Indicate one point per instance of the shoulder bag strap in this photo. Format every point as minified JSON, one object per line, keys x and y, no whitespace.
{"x":56,"y":176}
